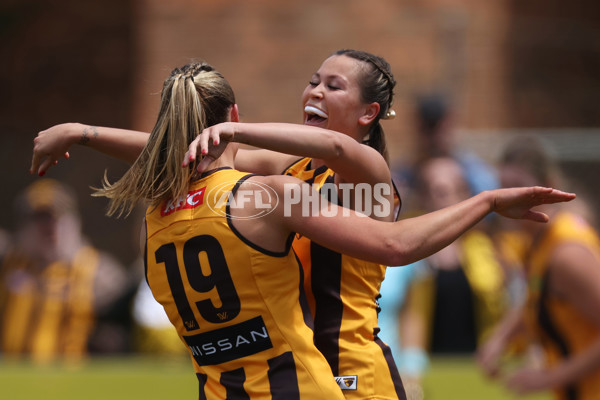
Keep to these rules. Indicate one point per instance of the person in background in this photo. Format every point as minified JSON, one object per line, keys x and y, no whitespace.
{"x":57,"y":291}
{"x":436,"y":136}
{"x":454,"y":296}
{"x":153,"y":332}
{"x":561,"y":261}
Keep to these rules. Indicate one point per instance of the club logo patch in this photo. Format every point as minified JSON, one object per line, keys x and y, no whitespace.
{"x":348,"y":382}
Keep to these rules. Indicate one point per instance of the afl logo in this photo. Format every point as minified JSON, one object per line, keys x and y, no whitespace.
{"x":255,"y":196}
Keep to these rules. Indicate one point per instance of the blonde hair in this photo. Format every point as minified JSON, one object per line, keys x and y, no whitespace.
{"x":193,"y":97}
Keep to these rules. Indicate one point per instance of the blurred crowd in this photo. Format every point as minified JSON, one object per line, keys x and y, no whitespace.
{"x":503,"y":290}
{"x":506,"y":291}
{"x":63,"y":299}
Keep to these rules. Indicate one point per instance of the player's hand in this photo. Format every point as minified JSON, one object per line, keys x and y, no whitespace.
{"x":488,"y":357}
{"x":210,"y":143}
{"x":48,"y":147}
{"x":530,"y":380}
{"x":516,"y":203}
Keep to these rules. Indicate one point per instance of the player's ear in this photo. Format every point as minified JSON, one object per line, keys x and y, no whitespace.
{"x":371,"y":112}
{"x":234,"y":113}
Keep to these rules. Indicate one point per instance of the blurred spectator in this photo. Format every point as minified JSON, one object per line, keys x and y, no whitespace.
{"x":392,"y":296}
{"x":57,"y":292}
{"x":454,"y":296}
{"x":436,"y":137}
{"x":154,"y":333}
{"x":393,"y":291}
{"x":561,"y":260}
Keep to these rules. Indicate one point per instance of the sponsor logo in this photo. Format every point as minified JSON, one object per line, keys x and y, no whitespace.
{"x":192,"y":199}
{"x":229,"y":343}
{"x":348,"y":382}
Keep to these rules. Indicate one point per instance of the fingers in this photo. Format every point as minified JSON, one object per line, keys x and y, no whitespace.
{"x":559,"y":195}
{"x":45,"y":165}
{"x":550,"y":195}
{"x":215,"y":139}
{"x":190,"y":155}
{"x":204,"y":136}
{"x":536,"y":216}
{"x":40,"y":165}
{"x":186,"y":159}
{"x":208,"y":140}
{"x":487,"y":359}
{"x":201,"y":143}
{"x":204,"y":163}
{"x":35,"y":163}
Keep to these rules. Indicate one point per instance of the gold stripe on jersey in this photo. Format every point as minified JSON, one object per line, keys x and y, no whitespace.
{"x":341,"y":293}
{"x":563,"y":330}
{"x":234,"y":305}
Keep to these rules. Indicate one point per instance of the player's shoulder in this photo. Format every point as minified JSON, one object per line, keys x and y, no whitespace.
{"x":275,"y":182}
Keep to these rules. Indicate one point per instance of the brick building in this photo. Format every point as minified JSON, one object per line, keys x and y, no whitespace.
{"x":507,"y":65}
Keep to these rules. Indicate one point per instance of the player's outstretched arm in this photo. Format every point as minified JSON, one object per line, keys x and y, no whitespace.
{"x":54,"y":143}
{"x":412,"y":239}
{"x":350,"y":159}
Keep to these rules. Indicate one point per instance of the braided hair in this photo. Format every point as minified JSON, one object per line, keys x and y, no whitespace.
{"x":377,"y":85}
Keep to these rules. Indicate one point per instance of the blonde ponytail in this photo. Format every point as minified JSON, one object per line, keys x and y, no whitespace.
{"x":193,"y":98}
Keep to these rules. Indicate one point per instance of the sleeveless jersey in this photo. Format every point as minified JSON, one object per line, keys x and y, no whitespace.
{"x":561,"y":329}
{"x":342,"y":293}
{"x":48,"y":313}
{"x":236,"y":306}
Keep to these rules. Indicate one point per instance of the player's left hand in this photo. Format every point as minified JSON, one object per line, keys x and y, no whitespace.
{"x":50,"y":145}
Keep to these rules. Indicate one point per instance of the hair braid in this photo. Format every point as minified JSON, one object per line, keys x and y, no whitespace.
{"x":377,"y":85}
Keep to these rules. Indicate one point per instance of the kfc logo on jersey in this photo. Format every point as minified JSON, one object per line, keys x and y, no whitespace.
{"x":348,"y":382}
{"x":260,"y":198}
{"x":192,"y":199}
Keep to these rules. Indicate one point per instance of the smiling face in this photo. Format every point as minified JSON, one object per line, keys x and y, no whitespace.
{"x":332,"y":99}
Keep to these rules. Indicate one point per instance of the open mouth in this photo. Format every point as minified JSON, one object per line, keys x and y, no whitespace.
{"x":314,"y":115}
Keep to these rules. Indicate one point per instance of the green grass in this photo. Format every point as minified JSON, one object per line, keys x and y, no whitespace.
{"x":115,"y":379}
{"x":152,"y":378}
{"x":460,"y":378}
